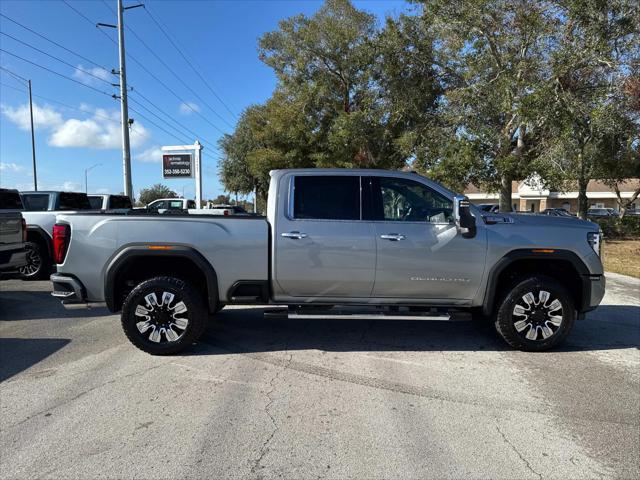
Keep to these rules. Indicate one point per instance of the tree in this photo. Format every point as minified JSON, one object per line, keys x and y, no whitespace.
{"x":342,"y":100}
{"x":148,"y":195}
{"x":491,"y":55}
{"x":590,"y":128}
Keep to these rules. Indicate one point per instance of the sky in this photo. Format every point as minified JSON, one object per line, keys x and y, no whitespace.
{"x":77,"y":124}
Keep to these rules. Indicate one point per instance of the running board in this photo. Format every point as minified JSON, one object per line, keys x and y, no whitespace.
{"x":355,"y":315}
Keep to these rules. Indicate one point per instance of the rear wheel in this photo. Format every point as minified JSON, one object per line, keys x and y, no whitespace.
{"x":163,"y":315}
{"x":37,"y":267}
{"x":536,"y":314}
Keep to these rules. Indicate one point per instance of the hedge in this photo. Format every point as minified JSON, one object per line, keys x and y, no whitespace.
{"x":615,"y":227}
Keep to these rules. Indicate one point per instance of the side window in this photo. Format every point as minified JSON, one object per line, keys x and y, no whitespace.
{"x":36,"y":203}
{"x":191,"y":204}
{"x":403,"y":200}
{"x":175,"y":204}
{"x":327,"y":197}
{"x":154,"y":206}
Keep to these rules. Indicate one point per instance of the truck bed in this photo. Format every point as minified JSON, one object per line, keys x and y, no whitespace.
{"x":237,"y":246}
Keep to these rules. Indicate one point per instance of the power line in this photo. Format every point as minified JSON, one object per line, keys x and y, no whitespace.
{"x":55,"y":43}
{"x":164,"y":31}
{"x":57,"y":59}
{"x":14,"y":74}
{"x":88,"y":20}
{"x":167,"y":116}
{"x":175,"y":75}
{"x":57,"y":73}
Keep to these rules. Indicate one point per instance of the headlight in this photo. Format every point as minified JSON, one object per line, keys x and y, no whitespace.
{"x":595,"y":240}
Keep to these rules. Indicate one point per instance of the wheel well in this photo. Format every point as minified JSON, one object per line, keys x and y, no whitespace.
{"x":35,"y":236}
{"x":561,"y":270}
{"x":140,"y":268}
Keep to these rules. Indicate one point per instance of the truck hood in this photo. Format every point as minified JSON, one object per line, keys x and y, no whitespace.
{"x":546,"y":221}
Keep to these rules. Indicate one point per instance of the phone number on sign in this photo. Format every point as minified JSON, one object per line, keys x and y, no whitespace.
{"x":177,"y":171}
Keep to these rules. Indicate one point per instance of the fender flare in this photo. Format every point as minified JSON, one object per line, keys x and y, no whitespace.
{"x":131,"y":252}
{"x":529,"y":254}
{"x":45,"y":237}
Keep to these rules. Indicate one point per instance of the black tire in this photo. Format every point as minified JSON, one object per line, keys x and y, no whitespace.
{"x":38,"y":264}
{"x":187,"y":325}
{"x":542,"y":325}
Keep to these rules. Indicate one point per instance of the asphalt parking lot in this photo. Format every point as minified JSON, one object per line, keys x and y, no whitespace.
{"x":269,"y":398}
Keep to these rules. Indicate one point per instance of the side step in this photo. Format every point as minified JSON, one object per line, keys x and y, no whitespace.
{"x":364,"y":314}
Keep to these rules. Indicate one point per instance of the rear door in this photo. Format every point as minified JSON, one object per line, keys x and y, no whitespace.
{"x":420,"y":253}
{"x":323,"y":247}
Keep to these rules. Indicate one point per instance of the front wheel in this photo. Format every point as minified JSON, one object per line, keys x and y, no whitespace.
{"x":163,"y":315}
{"x":536,"y":314}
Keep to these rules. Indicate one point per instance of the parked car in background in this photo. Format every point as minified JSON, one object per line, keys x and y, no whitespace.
{"x":40,"y":208}
{"x":489,"y":207}
{"x":600,"y":212}
{"x":13,"y":231}
{"x":163,"y":204}
{"x":338,"y":243}
{"x":109,"y":202}
{"x":557,"y":212}
{"x":226,"y":210}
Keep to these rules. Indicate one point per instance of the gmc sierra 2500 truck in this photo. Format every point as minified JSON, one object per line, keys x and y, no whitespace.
{"x":392,"y":243}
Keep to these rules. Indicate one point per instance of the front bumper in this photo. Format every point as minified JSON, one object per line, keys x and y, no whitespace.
{"x":71,"y":292}
{"x":598,"y":285}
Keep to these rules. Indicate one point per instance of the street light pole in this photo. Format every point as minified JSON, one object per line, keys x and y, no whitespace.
{"x":86,"y":171}
{"x":33,"y":141}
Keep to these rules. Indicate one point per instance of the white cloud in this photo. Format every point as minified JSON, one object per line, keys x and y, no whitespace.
{"x":150,"y":155}
{"x":70,"y":186}
{"x":11,"y":167}
{"x":43,"y":116}
{"x":101,"y":131}
{"x":88,"y":74}
{"x":188,"y":108}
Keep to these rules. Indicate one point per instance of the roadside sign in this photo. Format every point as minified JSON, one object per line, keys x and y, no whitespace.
{"x":177,"y":165}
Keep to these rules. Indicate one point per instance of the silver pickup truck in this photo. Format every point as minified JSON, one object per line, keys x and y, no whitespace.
{"x":334,"y":243}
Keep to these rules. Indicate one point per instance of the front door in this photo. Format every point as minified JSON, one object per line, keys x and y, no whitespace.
{"x":420,"y":253}
{"x":323,"y":248}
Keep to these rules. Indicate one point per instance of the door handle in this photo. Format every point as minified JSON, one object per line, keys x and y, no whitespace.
{"x":294,"y":235}
{"x":394,"y":237}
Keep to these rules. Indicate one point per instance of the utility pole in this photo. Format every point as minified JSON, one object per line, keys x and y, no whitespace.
{"x":124,"y":108}
{"x":33,"y":141}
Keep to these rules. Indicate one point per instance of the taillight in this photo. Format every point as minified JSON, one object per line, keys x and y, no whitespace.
{"x":61,"y":234}
{"x":24,"y":230}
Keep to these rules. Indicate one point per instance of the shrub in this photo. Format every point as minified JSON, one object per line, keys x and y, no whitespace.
{"x":615,"y":227}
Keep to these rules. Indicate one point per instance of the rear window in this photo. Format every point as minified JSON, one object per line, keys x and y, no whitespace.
{"x":73,"y":201}
{"x":95,"y":202}
{"x":35,"y":202}
{"x":191,"y":204}
{"x":327,"y":197}
{"x":10,"y":200}
{"x":119,"y":201}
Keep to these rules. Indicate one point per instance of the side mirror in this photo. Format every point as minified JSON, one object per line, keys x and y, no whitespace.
{"x":465,"y":222}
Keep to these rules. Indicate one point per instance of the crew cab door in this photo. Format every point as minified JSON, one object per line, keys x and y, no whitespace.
{"x":322,"y":247}
{"x":420,"y":253}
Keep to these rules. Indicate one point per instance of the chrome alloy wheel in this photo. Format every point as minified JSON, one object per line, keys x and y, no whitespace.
{"x":34,"y":262}
{"x":162,"y":322}
{"x":537,"y":319}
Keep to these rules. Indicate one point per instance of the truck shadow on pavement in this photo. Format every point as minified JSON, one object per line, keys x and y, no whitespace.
{"x":18,"y":354}
{"x":39,"y":305}
{"x":245,"y":331}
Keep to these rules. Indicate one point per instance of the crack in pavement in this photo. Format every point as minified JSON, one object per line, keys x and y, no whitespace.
{"x":526,"y":462}
{"x":264,"y":447}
